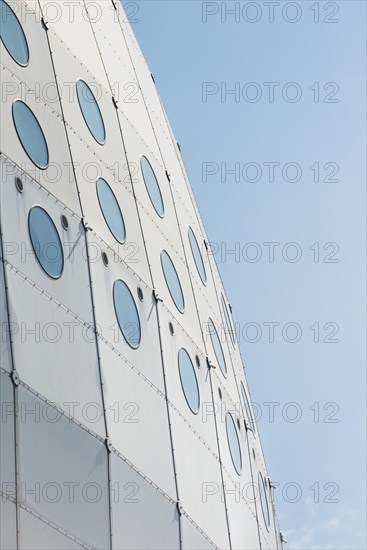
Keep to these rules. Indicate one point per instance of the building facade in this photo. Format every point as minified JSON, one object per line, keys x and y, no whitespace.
{"x":126,"y":420}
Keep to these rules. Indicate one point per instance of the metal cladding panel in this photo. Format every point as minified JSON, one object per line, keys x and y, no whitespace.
{"x":39,"y":534}
{"x":37,"y":78}
{"x":132,"y":251}
{"x":63,"y":471}
{"x":156,"y":242}
{"x":203,"y":421}
{"x":57,"y":178}
{"x":5,"y":354}
{"x":192,"y":538}
{"x":62,"y":19}
{"x":7,"y":437}
{"x":72,"y":289}
{"x":69,"y":70}
{"x":47,"y":358}
{"x":199,"y":482}
{"x":137,"y":420}
{"x":241,"y":514}
{"x":147,"y":85}
{"x":8,"y":526}
{"x":142,"y":517}
{"x":146,"y":359}
{"x":121,"y":74}
{"x":166,"y":226}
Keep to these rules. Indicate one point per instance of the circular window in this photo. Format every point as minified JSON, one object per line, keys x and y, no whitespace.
{"x":46,"y":242}
{"x":12,"y":35}
{"x":90,"y":110}
{"x":233,"y":443}
{"x":264,"y":501}
{"x":127,"y":314}
{"x":247,"y":409}
{"x":152,"y":186}
{"x":173,"y":282}
{"x":195,"y":249}
{"x":217,"y":347}
{"x":188,"y":380}
{"x":111,"y":210}
{"x":228,"y":320}
{"x":30,"y":134}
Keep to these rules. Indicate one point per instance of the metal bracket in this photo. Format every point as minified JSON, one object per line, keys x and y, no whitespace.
{"x":86,"y":225}
{"x":179,"y":507}
{"x":108,"y":444}
{"x":44,"y":23}
{"x":168,"y":176}
{"x":153,"y":77}
{"x":156,"y":296}
{"x":15,"y":378}
{"x":115,"y":101}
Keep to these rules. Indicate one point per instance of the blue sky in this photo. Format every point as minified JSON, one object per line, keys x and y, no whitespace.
{"x":320,"y":210}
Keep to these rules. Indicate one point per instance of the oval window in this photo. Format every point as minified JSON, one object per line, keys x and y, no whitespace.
{"x":173,"y":282}
{"x":217,"y":347}
{"x":46,"y":242}
{"x":12,"y":35}
{"x":30,"y":134}
{"x":228,"y":320}
{"x":264,"y":501}
{"x":152,"y":186}
{"x":247,"y":409}
{"x":198,"y":258}
{"x":126,"y":314}
{"x":233,"y":443}
{"x":188,"y":380}
{"x":91,"y":112}
{"x":111,"y":210}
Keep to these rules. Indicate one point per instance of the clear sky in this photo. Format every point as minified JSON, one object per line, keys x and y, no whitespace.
{"x":311,"y":113}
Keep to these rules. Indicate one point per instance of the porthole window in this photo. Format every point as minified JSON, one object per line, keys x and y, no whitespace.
{"x":195,"y":249}
{"x":247,"y":409}
{"x":126,"y":314}
{"x":233,"y":443}
{"x":111,"y":210}
{"x":173,"y":282}
{"x":46,"y":242}
{"x":264,"y":501}
{"x":188,"y":380}
{"x":228,"y":320}
{"x":12,"y":35}
{"x":217,"y":347}
{"x":91,"y":112}
{"x":152,"y":186}
{"x":30,"y":134}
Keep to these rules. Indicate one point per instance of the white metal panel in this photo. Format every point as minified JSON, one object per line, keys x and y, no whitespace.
{"x":57,"y":178}
{"x":7,"y":437}
{"x":241,"y":514}
{"x":121,"y":74}
{"x":63,"y":471}
{"x":132,"y":251}
{"x":8,"y":528}
{"x":56,"y":354}
{"x":63,"y":19}
{"x":148,"y":87}
{"x":37,"y":78}
{"x":155,"y":244}
{"x":192,"y":538}
{"x":147,"y":357}
{"x":141,"y":516}
{"x":203,"y":422}
{"x":137,"y":420}
{"x":38,"y":534}
{"x":5,"y":355}
{"x":69,"y":71}
{"x":72,"y":289}
{"x":199,"y":482}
